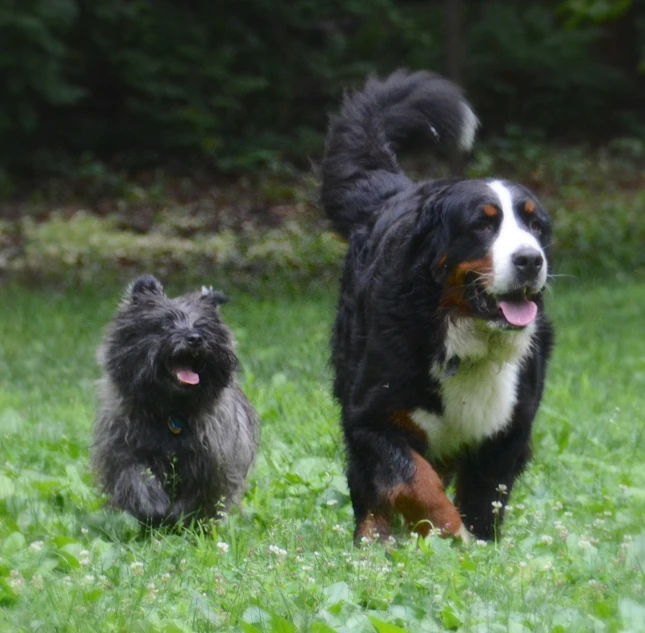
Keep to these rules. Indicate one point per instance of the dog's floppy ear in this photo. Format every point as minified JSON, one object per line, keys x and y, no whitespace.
{"x":146,"y":285}
{"x":428,"y":238}
{"x":214,"y":296}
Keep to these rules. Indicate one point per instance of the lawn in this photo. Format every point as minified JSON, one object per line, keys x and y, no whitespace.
{"x":573,"y":553}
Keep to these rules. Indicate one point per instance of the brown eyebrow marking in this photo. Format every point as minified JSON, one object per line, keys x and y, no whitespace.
{"x":490,"y":210}
{"x":529,"y":206}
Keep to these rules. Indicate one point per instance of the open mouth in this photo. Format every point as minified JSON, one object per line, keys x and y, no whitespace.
{"x":514,"y":310}
{"x":517,"y":308}
{"x":185,"y":368}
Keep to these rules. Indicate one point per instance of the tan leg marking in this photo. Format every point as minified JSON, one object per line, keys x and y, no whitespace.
{"x":374,"y":526}
{"x":423,"y":500}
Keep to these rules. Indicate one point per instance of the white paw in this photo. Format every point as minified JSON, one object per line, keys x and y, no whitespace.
{"x":464,"y":534}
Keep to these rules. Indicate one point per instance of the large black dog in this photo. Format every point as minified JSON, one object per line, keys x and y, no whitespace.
{"x":441,"y":343}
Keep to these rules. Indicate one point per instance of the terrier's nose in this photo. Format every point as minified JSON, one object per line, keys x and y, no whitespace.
{"x":528,"y":262}
{"x":194,"y":339}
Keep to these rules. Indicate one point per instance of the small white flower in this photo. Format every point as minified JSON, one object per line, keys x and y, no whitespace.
{"x":509,"y":508}
{"x":568,"y":514}
{"x":522,"y":563}
{"x":339,"y":529}
{"x":137,"y":568}
{"x":584,"y":543}
{"x":502,"y":488}
{"x":558,"y":505}
{"x":274,"y":549}
{"x":520,"y":506}
{"x":36,"y":546}
{"x":306,"y":568}
{"x":38,"y":582}
{"x":496,"y":506}
{"x":548,"y":566}
{"x":222,"y":547}
{"x":16,"y":581}
{"x":546,"y":539}
{"x":84,"y":531}
{"x":165,"y":577}
{"x":332,"y":502}
{"x":84,"y":557}
{"x":481,"y":543}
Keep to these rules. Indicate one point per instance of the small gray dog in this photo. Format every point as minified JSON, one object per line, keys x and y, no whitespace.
{"x":174,"y":437}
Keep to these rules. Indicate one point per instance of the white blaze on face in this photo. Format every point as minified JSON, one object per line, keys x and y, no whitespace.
{"x":511,"y":238}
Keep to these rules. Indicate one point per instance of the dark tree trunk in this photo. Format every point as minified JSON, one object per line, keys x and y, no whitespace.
{"x":454,"y":63}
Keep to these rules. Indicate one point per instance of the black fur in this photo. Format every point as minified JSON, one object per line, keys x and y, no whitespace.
{"x":164,"y":449}
{"x":399,"y":294}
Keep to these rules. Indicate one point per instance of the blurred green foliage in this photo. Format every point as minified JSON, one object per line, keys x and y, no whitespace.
{"x":249,"y":84}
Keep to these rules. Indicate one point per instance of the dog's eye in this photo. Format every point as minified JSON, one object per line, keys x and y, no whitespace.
{"x":485,"y":225}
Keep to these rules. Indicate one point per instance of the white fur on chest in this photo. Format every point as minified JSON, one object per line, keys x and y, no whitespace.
{"x":478,"y":400}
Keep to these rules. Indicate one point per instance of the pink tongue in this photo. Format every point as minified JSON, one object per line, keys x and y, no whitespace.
{"x":187,"y":376}
{"x":518,"y":313}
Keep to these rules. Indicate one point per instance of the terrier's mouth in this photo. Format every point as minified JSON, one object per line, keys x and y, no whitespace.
{"x":511,"y":310}
{"x":185,"y":368}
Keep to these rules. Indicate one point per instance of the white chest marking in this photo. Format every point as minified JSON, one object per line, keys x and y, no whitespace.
{"x":478,"y":400}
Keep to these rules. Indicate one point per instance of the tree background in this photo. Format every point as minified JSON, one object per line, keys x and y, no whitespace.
{"x":182,"y":137}
{"x":240,"y":83}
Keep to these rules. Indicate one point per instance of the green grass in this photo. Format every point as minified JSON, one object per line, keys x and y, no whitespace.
{"x":572,"y":558}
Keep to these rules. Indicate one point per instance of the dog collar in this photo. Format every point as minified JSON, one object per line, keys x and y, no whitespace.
{"x":175,"y":425}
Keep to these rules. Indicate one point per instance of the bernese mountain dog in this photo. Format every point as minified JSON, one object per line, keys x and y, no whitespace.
{"x":440,"y":344}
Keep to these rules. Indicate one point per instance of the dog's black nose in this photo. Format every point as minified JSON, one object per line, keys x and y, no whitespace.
{"x":528,"y":262}
{"x":194,"y":339}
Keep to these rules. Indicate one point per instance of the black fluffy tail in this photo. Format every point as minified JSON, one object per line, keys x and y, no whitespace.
{"x":360,"y":170}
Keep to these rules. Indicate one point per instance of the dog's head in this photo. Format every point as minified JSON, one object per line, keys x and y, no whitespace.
{"x":490,"y":244}
{"x":164,"y":348}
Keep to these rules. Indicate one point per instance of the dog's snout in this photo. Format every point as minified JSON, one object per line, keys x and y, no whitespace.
{"x":193,"y":338}
{"x":528,"y":262}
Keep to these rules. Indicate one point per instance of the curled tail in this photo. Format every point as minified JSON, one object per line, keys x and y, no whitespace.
{"x":360,"y":169}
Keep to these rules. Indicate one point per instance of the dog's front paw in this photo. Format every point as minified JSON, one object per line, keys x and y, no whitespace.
{"x":140,"y":493}
{"x":463,"y":534}
{"x":154,"y":510}
{"x":182,"y":511}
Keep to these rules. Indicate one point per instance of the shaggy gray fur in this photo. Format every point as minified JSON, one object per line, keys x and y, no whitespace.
{"x":153,"y":352}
